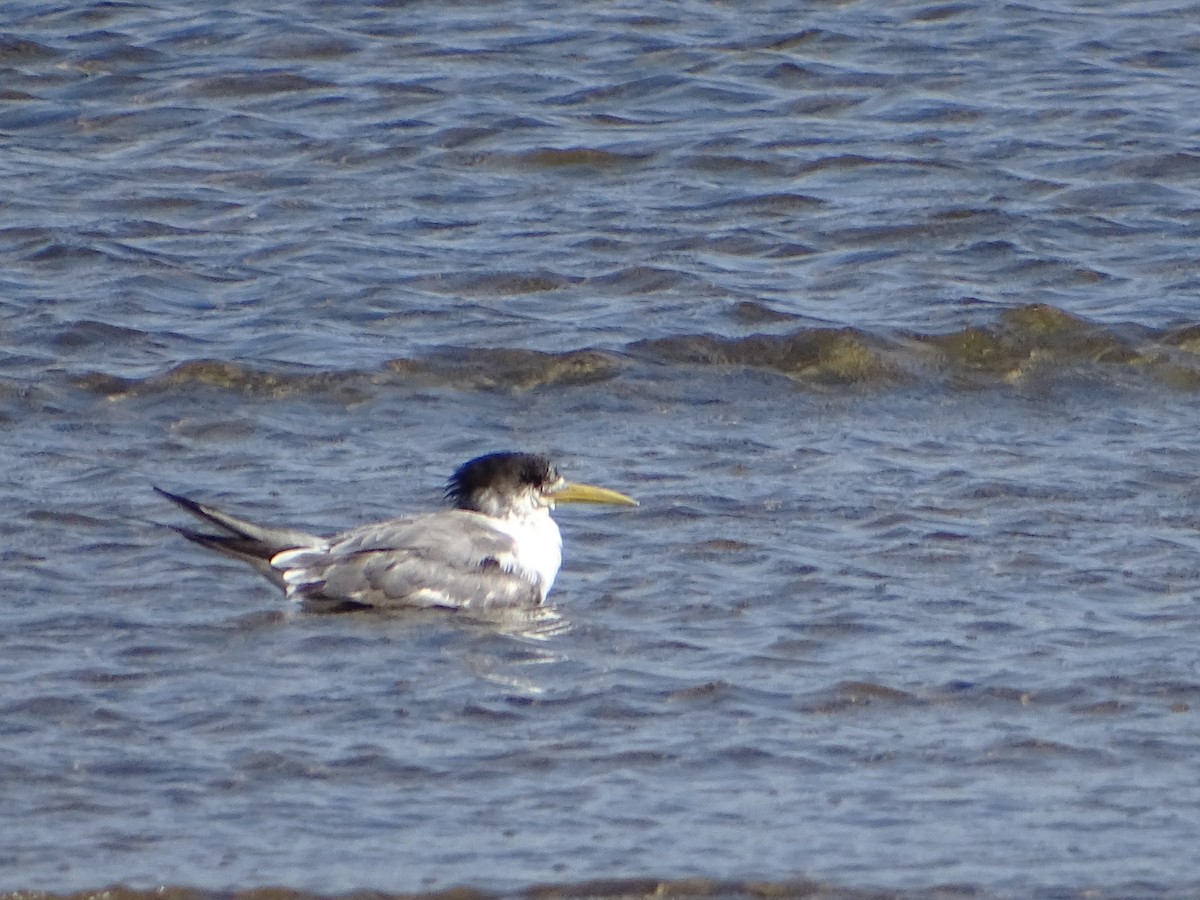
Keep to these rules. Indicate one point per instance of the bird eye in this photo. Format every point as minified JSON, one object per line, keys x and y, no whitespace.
{"x":540,"y":474}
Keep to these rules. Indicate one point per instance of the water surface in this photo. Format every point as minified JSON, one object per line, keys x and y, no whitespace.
{"x":885,"y":313}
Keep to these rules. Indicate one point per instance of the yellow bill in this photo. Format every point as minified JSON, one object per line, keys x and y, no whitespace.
{"x":575,"y":492}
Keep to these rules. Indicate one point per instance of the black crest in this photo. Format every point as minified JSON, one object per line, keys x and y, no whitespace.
{"x":502,"y":474}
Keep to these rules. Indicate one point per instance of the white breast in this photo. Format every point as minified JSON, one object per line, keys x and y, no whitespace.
{"x":538,"y":551}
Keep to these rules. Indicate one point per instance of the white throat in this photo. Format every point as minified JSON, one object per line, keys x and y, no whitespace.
{"x":538,"y":546}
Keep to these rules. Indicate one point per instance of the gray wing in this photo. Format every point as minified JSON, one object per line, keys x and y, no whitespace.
{"x":452,"y":559}
{"x":253,"y":544}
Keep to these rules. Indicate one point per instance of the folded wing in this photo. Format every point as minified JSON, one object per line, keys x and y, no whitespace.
{"x":253,"y":544}
{"x":452,"y":560}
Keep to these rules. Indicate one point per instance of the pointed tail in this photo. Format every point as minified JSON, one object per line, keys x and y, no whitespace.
{"x":252,"y":544}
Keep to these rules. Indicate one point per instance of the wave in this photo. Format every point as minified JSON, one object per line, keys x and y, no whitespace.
{"x":1036,"y":341}
{"x":609,"y":889}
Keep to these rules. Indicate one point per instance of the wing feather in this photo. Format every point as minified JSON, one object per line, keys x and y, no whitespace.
{"x":452,"y":559}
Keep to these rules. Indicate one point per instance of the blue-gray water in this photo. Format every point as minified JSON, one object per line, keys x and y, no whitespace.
{"x":887,"y":313}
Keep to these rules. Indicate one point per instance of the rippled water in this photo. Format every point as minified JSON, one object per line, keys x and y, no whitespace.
{"x":886,"y":313}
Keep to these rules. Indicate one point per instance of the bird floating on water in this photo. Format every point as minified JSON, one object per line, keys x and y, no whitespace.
{"x":497,"y":548}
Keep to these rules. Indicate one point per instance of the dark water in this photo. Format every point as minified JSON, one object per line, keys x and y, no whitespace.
{"x":887,"y":313}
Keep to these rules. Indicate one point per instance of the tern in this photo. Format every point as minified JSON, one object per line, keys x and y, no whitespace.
{"x":497,"y":548}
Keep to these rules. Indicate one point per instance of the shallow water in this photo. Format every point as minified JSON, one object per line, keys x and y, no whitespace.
{"x":886,"y":314}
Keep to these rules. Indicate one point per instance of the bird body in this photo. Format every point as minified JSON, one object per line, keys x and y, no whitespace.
{"x":497,"y":548}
